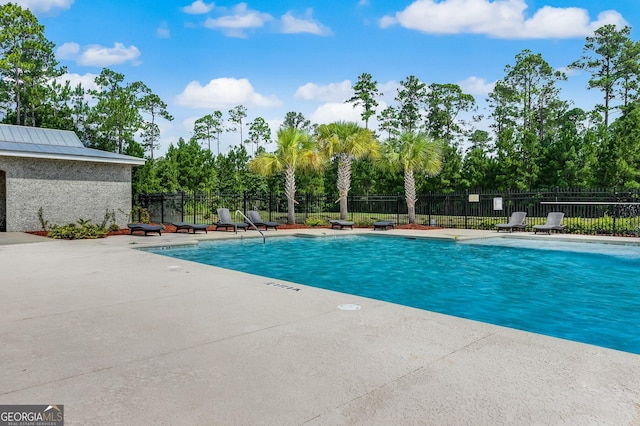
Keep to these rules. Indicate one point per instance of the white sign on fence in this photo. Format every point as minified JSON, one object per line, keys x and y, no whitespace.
{"x":497,"y":203}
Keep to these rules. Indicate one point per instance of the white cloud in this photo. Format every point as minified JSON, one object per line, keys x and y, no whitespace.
{"x":274,"y":125}
{"x":96,"y":55}
{"x":86,"y":80}
{"x":334,"y":111}
{"x":566,"y":22}
{"x":293,"y":25}
{"x":224,"y":93}
{"x":241,"y":19}
{"x":568,"y":71}
{"x":101,"y":56}
{"x":389,"y":89}
{"x":41,"y":5}
{"x":608,"y":17}
{"x":331,"y":92}
{"x":68,"y":51}
{"x":163,"y":30}
{"x":498,"y":18}
{"x":198,"y":7}
{"x":476,"y":86}
{"x":188,"y":123}
{"x":387,"y":21}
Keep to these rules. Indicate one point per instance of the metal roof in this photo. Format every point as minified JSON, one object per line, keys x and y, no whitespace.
{"x":36,"y":142}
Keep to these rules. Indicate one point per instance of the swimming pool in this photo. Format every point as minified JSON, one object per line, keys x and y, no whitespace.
{"x":585,"y":292}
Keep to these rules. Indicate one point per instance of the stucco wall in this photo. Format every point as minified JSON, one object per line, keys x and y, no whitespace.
{"x":66,"y":191}
{"x":3,"y":210}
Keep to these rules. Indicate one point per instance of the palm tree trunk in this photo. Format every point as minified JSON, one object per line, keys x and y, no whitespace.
{"x":410,"y":194}
{"x":290,"y":191}
{"x":344,"y":183}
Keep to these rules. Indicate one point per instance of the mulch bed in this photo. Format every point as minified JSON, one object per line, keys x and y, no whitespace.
{"x":171,"y":228}
{"x":419,"y":227}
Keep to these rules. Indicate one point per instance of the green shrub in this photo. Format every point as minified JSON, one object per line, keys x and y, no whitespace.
{"x":488,"y":224}
{"x":315,"y":221}
{"x":365,"y":221}
{"x":142,"y":213}
{"x":84,"y":229}
{"x":67,"y":232}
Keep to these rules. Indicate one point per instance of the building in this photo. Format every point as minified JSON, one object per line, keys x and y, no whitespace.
{"x":52,"y":171}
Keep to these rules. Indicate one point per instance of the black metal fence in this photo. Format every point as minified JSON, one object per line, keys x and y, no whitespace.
{"x":587,"y":211}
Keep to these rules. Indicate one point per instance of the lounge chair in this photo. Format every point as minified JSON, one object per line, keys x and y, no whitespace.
{"x":341,"y":223}
{"x":383,"y":224}
{"x":254,"y":217}
{"x":554,"y":223}
{"x":191,"y":226}
{"x":516,"y":221}
{"x":144,"y":227}
{"x":225,"y":221}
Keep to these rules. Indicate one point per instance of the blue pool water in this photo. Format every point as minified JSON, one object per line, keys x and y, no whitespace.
{"x":579,"y":291}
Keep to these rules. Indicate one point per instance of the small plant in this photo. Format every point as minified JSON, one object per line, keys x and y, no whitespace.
{"x":365,"y":221}
{"x":141,"y":213}
{"x":43,"y":223}
{"x":145,"y":216}
{"x":83,"y":229}
{"x":488,"y":224}
{"x":66,"y":232}
{"x":110,"y":216}
{"x":84,"y":222}
{"x":315,"y":221}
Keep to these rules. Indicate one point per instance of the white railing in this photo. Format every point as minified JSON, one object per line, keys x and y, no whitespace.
{"x":249,"y":222}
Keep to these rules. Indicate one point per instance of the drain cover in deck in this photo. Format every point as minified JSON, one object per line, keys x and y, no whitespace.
{"x":349,"y":307}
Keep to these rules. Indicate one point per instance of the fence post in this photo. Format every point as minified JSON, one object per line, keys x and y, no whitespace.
{"x":181,"y":206}
{"x":133,"y":207}
{"x":398,"y":209}
{"x":195,"y":206}
{"x":466,"y":209}
{"x":162,"y":207}
{"x":616,"y":209}
{"x":140,"y":203}
{"x":270,"y":205}
{"x":306,"y":207}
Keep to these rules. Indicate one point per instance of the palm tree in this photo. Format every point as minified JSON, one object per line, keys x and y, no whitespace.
{"x":345,"y":141}
{"x":412,"y":153}
{"x":296,"y":150}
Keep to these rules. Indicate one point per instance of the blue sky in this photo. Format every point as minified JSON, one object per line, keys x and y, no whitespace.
{"x":304,"y":56}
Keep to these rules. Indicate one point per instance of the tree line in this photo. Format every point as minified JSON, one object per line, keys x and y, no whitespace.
{"x":535,"y":139}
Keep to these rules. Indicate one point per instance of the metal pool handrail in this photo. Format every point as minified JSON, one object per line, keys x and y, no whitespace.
{"x":249,"y":222}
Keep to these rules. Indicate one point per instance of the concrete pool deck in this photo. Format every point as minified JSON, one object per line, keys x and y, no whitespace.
{"x":121,"y":336}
